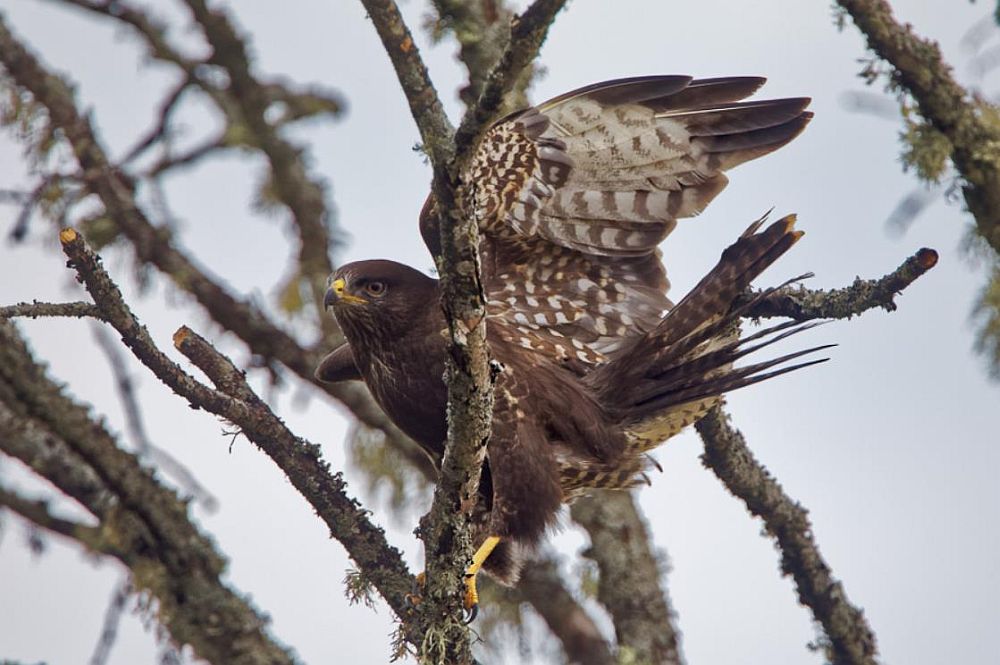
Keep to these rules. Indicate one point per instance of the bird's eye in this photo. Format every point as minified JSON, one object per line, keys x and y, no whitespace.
{"x":375,"y":288}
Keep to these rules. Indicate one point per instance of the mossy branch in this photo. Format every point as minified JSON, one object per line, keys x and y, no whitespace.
{"x":233,"y":399}
{"x":920,"y":70}
{"x":804,"y":304}
{"x":630,"y":584}
{"x":851,"y":640}
{"x":154,"y":245}
{"x":470,"y":391}
{"x":141,"y":523}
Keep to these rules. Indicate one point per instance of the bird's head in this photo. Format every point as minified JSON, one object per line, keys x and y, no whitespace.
{"x":380,"y":297}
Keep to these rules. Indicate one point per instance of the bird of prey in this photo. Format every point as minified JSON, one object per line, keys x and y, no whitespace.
{"x":572,"y":198}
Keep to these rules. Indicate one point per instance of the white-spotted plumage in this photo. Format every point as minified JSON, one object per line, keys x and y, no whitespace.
{"x":574,"y":196}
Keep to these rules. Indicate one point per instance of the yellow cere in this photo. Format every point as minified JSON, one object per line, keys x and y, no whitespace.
{"x":338,"y":287}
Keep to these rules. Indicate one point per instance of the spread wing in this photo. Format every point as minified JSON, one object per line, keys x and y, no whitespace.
{"x":575,"y":195}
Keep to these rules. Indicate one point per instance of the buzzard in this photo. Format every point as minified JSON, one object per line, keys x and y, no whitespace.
{"x":599,"y":367}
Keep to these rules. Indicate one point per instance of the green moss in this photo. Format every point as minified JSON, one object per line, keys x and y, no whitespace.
{"x":926,"y":150}
{"x":359,"y":589}
{"x":987,"y":316}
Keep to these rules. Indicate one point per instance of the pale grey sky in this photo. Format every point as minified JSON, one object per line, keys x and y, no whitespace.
{"x":892,"y":445}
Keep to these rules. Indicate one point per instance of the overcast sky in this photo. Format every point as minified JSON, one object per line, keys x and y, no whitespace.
{"x":892,"y":446}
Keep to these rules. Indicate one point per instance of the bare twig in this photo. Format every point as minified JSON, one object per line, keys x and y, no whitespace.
{"x":630,"y":577}
{"x":851,"y":640}
{"x":162,"y":128}
{"x":803,"y":304}
{"x":33,"y":310}
{"x":920,"y":70}
{"x":188,"y":158}
{"x":112,"y":619}
{"x":37,"y":512}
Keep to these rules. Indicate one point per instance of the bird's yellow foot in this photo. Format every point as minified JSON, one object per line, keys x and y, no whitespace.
{"x":471,"y":599}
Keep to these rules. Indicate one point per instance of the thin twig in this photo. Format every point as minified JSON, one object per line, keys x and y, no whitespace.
{"x":851,"y":640}
{"x":804,"y":304}
{"x":112,"y":619}
{"x":33,"y":310}
{"x":161,"y":130}
{"x":190,"y":157}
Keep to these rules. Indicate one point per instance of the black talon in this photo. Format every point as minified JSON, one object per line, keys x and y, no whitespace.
{"x":473,"y":613}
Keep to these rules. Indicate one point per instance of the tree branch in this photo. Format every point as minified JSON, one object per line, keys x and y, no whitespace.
{"x":469,"y":377}
{"x":804,"y":304}
{"x":35,"y":309}
{"x":425,"y":105}
{"x":476,"y":27}
{"x":37,"y":512}
{"x":303,"y":196}
{"x":146,"y":526}
{"x":851,"y":640}
{"x":630,"y":577}
{"x":920,"y":70}
{"x":154,"y":245}
{"x":300,"y":460}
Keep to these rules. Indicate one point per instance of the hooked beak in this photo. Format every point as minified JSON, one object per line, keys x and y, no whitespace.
{"x":337,"y":293}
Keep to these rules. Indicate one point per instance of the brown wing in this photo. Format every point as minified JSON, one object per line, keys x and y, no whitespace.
{"x":575,"y":194}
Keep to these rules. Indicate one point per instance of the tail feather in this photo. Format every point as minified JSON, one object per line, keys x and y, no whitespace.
{"x":689,"y":356}
{"x":727,"y":381}
{"x":706,"y":369}
{"x":713,"y":296}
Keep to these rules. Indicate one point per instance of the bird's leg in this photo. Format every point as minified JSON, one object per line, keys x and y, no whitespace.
{"x":471,"y":594}
{"x":471,"y":598}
